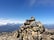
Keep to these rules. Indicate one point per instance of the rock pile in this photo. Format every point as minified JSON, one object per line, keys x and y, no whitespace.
{"x":30,"y":30}
{"x":33,"y":30}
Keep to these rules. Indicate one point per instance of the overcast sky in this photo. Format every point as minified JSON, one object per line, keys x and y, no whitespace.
{"x":16,"y":11}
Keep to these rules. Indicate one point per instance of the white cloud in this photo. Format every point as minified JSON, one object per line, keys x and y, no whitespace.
{"x":40,"y":2}
{"x":46,"y":2}
{"x":6,"y":21}
{"x":32,"y":2}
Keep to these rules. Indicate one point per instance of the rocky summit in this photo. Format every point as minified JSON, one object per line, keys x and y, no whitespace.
{"x":30,"y":30}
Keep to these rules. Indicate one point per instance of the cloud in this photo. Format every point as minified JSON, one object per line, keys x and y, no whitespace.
{"x":40,"y":2}
{"x":6,"y":21}
{"x":46,"y":2}
{"x":32,"y":2}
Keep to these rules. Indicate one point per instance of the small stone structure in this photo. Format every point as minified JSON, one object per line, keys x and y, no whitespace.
{"x":30,"y":30}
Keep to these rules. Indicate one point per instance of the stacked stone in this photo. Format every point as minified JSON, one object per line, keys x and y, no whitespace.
{"x":31,"y":30}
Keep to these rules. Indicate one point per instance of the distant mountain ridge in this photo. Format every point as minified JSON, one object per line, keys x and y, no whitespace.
{"x":9,"y":27}
{"x":49,"y":26}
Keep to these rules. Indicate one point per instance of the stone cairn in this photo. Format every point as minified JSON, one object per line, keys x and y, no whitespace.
{"x":31,"y":30}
